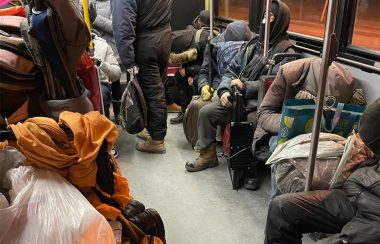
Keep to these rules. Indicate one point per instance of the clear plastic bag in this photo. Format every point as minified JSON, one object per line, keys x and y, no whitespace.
{"x":10,"y":158}
{"x":291,"y":174}
{"x":45,"y":208}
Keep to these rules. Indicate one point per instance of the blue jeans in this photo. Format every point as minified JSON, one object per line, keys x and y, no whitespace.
{"x":274,"y":189}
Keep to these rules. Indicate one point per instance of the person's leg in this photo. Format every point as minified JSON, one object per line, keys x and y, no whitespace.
{"x":209,"y":117}
{"x":107,"y":98}
{"x":291,"y":215}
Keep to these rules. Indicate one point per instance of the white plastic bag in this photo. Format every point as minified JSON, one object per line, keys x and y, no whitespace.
{"x":45,"y":208}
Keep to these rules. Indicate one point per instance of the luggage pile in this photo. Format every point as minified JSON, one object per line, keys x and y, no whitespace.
{"x":70,"y":161}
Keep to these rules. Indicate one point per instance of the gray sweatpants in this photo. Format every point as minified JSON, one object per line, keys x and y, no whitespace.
{"x":209,"y":117}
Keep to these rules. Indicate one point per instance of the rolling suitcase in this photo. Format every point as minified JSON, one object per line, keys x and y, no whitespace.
{"x":237,"y":142}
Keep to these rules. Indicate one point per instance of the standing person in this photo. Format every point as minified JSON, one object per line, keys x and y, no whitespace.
{"x":109,"y":70}
{"x":142,"y":33}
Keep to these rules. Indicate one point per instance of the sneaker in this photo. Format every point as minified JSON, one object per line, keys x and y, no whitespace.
{"x":151,"y":146}
{"x":173,"y":108}
{"x":178,"y":119}
{"x":144,"y":135}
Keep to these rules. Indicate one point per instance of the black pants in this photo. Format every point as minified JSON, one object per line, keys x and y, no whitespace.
{"x":152,"y":53}
{"x":182,"y":93}
{"x":291,"y":215}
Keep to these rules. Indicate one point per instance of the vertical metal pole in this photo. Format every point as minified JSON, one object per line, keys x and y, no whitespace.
{"x":209,"y":41}
{"x":328,"y":56}
{"x":267,"y":31}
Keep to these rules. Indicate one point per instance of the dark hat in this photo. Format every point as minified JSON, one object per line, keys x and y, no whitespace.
{"x":369,"y":128}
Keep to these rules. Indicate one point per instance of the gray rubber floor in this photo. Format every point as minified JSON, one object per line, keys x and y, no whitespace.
{"x":197,"y":207}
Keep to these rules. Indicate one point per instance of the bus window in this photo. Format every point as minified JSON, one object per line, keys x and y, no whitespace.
{"x":308,"y":17}
{"x":234,"y":9}
{"x":367,"y":25}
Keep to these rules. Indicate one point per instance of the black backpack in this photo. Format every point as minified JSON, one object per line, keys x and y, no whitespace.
{"x":133,"y":114}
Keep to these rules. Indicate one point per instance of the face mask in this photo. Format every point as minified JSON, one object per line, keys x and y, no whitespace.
{"x":262,"y":27}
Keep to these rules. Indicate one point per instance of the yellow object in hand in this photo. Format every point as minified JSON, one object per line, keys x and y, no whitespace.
{"x":206,"y":93}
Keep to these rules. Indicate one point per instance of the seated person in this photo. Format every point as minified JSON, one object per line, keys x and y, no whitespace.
{"x":244,"y":73}
{"x":352,"y":214}
{"x":300,"y":75}
{"x":224,"y":48}
{"x":109,"y":70}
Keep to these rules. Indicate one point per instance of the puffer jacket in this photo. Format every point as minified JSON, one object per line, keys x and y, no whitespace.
{"x":299,"y":75}
{"x":132,"y":19}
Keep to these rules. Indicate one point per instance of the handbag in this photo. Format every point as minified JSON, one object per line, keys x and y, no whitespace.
{"x":298,"y":117}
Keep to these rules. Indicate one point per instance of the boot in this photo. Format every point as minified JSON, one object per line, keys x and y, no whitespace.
{"x":144,"y":135}
{"x":179,"y":118}
{"x":151,"y":146}
{"x":207,"y":159}
{"x":173,"y":108}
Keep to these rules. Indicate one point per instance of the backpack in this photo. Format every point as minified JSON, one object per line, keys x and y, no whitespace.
{"x":20,"y":77}
{"x":133,"y":114}
{"x":226,"y":53}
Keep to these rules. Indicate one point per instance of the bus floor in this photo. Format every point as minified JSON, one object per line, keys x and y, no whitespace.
{"x":197,"y":207}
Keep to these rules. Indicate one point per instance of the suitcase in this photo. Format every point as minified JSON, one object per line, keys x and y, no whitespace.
{"x":190,"y":119}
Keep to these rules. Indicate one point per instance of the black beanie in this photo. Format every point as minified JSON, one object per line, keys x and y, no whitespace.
{"x":369,"y":127}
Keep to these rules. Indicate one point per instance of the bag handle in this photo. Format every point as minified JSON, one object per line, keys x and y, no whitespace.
{"x":335,"y":119}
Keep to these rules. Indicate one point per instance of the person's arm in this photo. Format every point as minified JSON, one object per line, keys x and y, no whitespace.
{"x":252,"y":87}
{"x":124,"y":24}
{"x":110,"y":66}
{"x":269,"y":112}
{"x":203,"y":73}
{"x":103,"y":24}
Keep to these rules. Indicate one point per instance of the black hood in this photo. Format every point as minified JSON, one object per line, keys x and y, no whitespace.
{"x":279,"y":26}
{"x":369,"y":128}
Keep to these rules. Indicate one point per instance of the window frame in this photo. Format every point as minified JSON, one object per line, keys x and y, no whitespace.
{"x":344,"y":32}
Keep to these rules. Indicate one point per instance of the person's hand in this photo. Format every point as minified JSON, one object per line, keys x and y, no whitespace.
{"x":97,"y":61}
{"x":238,"y":84}
{"x":132,"y":71}
{"x":225,"y":100}
{"x":190,"y":81}
{"x":206,"y":93}
{"x":182,"y":71}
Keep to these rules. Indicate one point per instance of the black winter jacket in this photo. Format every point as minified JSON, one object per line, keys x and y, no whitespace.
{"x":134,"y":18}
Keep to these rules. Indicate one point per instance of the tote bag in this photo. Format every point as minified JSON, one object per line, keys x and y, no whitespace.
{"x":298,"y":117}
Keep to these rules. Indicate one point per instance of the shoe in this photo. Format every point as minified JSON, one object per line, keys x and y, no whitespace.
{"x":251,"y":184}
{"x":133,"y":208}
{"x":173,"y":108}
{"x":144,"y":135}
{"x":207,"y":159}
{"x":178,"y":119}
{"x":150,"y":222}
{"x":114,"y":152}
{"x":151,"y":146}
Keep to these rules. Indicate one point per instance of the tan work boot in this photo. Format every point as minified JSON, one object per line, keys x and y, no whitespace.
{"x":151,"y":146}
{"x":207,"y":159}
{"x":144,"y":135}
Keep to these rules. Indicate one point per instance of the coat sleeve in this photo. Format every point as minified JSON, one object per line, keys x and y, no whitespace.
{"x":252,"y":87}
{"x":203,"y":73}
{"x":103,"y":24}
{"x":124,"y":24}
{"x":232,"y":72}
{"x":110,"y":66}
{"x":269,"y":112}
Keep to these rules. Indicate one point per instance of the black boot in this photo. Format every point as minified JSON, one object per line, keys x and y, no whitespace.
{"x":179,"y":118}
{"x":252,"y":181}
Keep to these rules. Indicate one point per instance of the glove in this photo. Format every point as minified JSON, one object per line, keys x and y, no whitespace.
{"x":206,"y":93}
